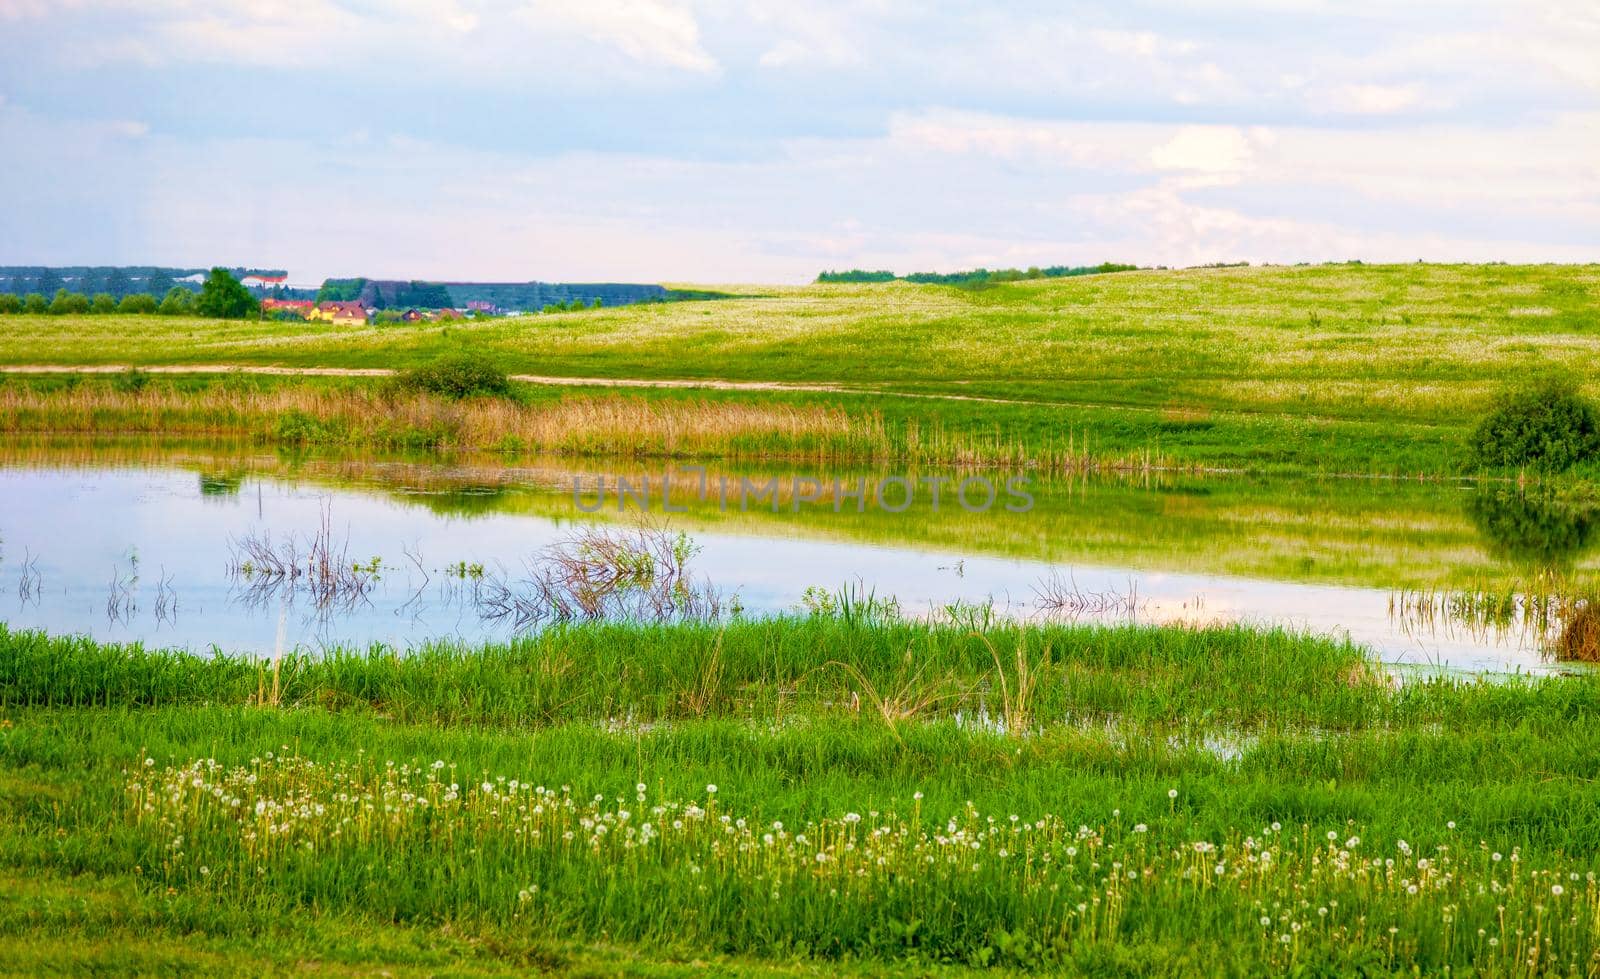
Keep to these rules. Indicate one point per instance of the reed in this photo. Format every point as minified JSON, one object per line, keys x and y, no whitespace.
{"x":1554,"y":611}
{"x":385,"y":417}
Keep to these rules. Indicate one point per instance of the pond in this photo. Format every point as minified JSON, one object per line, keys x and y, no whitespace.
{"x":155,"y":543}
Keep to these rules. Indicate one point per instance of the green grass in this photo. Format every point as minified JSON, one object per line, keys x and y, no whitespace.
{"x":1374,"y":369}
{"x":1201,"y":737}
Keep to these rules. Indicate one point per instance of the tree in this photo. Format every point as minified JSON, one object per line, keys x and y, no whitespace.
{"x":103,"y":303}
{"x":68,"y":302}
{"x":138,"y":302}
{"x":35,"y":303}
{"x":9,"y":303}
{"x":177,"y":302}
{"x":159,"y":284}
{"x":223,"y":297}
{"x":117,"y":283}
{"x":48,"y":282}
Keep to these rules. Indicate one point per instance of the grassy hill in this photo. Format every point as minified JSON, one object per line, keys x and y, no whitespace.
{"x":1365,"y":368}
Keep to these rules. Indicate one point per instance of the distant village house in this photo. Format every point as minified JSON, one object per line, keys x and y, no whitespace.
{"x":339,"y":312}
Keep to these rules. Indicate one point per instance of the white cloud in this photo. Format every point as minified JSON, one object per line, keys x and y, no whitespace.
{"x":657,"y":32}
{"x":1372,"y":100}
{"x":1205,"y":149}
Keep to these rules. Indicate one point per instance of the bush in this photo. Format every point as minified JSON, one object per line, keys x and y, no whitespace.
{"x":35,"y":303}
{"x":139,"y":302}
{"x":68,"y":302}
{"x":104,"y":303}
{"x":177,"y":302}
{"x":458,"y":376}
{"x":1548,"y":426}
{"x":295,"y":427}
{"x":10,"y":303}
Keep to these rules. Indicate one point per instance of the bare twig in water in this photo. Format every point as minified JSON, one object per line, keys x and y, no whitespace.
{"x":28,"y":585}
{"x":120,"y":604}
{"x":637,"y":574}
{"x":269,"y":568}
{"x":415,"y":557}
{"x":166,"y":607}
{"x":1063,"y":597}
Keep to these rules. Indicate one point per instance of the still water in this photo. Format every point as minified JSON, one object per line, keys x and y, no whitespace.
{"x":147,"y":547}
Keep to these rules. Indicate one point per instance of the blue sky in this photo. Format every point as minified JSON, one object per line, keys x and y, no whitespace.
{"x":708,"y":141}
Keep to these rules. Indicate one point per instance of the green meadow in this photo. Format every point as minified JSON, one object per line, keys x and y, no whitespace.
{"x":795,"y":794}
{"x":1341,"y":368}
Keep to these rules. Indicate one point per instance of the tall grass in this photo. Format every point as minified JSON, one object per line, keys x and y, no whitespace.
{"x":387,"y":417}
{"x":638,"y":673}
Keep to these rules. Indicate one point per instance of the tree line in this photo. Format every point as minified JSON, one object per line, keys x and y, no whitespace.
{"x":975,"y":277}
{"x":220,"y":297}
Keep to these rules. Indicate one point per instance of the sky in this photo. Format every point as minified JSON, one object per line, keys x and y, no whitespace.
{"x":719,"y":142}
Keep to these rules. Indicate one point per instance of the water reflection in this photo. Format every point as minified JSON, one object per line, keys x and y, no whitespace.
{"x":1533,"y":528}
{"x":1330,"y":556}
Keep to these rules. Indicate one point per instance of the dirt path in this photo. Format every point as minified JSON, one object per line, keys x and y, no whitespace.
{"x":704,"y":384}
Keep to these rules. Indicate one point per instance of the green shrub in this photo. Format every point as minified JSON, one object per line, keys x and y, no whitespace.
{"x":132,"y":381}
{"x":68,"y":302}
{"x":458,"y":376}
{"x":10,"y":303}
{"x":295,"y":427}
{"x":177,"y":302}
{"x":103,"y":303}
{"x":1548,"y":426}
{"x":139,"y":302}
{"x":35,"y":303}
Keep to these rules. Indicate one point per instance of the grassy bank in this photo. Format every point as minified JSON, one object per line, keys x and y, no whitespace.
{"x":799,"y":427}
{"x":1438,"y":824}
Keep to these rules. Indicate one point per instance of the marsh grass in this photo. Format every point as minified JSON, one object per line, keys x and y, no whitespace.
{"x":621,"y":673}
{"x":1579,"y":640}
{"x":1017,"y":691}
{"x":1551,"y":611}
{"x":581,"y":424}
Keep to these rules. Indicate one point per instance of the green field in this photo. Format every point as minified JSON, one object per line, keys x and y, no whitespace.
{"x":1371,"y":369}
{"x":1135,"y":762}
